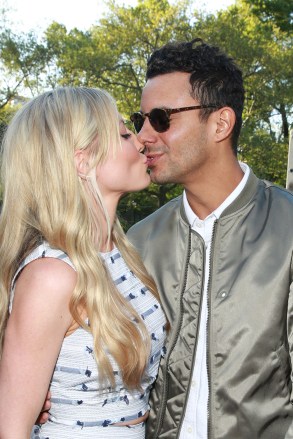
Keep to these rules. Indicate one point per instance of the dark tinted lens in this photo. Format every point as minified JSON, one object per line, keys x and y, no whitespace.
{"x":159,"y":120}
{"x":137,"y":119}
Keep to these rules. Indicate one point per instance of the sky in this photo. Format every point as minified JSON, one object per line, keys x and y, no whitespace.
{"x":37,"y":14}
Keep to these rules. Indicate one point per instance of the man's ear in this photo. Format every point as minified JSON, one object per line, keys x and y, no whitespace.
{"x":225,"y":123}
{"x":81,"y":162}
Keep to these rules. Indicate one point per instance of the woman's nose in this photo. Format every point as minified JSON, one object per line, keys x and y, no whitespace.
{"x":139,"y":146}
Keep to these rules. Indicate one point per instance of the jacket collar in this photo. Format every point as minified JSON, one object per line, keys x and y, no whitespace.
{"x":242,"y":200}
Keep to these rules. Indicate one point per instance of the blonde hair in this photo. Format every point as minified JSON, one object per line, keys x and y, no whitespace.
{"x":44,"y":199}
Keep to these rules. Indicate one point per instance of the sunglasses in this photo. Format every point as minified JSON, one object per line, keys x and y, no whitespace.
{"x":160,"y":117}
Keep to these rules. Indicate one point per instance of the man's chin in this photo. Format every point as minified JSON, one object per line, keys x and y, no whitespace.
{"x":158,"y":178}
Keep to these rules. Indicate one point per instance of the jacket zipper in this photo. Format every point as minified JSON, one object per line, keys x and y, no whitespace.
{"x":165,"y":380}
{"x":197,"y":333}
{"x":209,"y":436}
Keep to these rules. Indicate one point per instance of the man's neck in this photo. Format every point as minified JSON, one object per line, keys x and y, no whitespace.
{"x":206,"y":195}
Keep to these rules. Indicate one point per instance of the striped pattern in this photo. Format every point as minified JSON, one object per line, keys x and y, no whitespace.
{"x":82,"y":407}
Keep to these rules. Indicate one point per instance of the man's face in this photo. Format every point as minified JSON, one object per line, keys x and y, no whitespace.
{"x":180,"y":154}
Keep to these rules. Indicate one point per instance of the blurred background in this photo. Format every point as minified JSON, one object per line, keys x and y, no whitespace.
{"x":107,"y":44}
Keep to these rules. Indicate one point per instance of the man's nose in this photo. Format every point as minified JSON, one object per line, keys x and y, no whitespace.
{"x":147,"y":134}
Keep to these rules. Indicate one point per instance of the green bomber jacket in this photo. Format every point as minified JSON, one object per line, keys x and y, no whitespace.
{"x":250,"y":318}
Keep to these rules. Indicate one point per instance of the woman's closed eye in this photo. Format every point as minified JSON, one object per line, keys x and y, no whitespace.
{"x":126,"y":136}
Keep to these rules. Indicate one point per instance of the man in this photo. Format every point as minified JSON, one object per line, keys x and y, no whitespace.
{"x":221,"y":255}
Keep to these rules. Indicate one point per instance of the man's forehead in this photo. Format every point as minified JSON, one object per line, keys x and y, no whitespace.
{"x":166,"y":90}
{"x":178,"y":79}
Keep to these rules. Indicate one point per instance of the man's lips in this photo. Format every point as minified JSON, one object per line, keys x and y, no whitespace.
{"x":152,"y":158}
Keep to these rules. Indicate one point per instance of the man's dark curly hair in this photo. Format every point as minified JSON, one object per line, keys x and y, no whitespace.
{"x":214,"y":76}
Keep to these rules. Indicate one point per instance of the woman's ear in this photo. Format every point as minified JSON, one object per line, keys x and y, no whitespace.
{"x":225,"y":123}
{"x":81,"y":163}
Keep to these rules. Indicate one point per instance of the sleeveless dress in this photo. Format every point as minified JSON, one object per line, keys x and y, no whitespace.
{"x":82,"y":408}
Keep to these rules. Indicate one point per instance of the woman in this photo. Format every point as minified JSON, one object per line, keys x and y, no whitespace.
{"x":79,"y":313}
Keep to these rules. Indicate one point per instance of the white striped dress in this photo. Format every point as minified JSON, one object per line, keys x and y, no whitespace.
{"x":81,"y":407}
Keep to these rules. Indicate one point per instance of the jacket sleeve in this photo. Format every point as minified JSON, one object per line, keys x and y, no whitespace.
{"x":289,"y":434}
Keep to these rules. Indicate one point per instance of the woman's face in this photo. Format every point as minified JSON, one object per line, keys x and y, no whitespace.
{"x":126,"y":169}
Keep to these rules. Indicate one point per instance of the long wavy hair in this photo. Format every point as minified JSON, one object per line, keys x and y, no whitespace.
{"x":45,"y":199}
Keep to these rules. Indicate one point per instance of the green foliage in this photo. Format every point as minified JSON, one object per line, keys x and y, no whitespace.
{"x":6,"y":114}
{"x":278,"y":11}
{"x":267,"y":157}
{"x":136,"y":206}
{"x":113,"y":55}
{"x":265,"y":55}
{"x":23,"y":62}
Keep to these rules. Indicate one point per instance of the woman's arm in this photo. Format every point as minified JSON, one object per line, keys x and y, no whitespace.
{"x":33,"y":338}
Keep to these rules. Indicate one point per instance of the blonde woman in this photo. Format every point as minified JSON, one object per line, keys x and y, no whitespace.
{"x":79,"y":313}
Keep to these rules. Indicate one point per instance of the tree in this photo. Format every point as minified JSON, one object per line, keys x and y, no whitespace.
{"x":20,"y":60}
{"x":22,"y":66}
{"x":113,"y":55}
{"x":278,"y":11}
{"x":136,"y":206}
{"x":265,"y":55}
{"x":23,"y":62}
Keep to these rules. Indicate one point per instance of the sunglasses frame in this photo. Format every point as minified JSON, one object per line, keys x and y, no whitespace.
{"x":168,"y":112}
